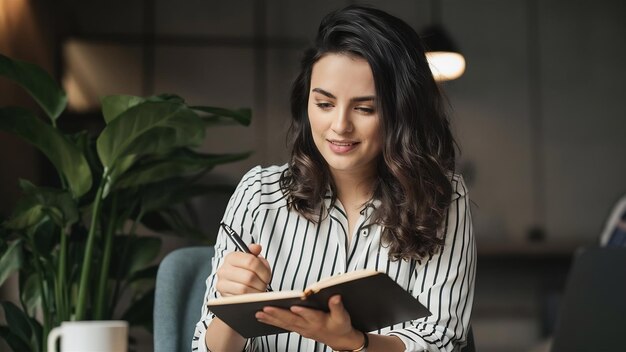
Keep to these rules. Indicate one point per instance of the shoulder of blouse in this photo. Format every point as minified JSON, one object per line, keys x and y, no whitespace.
{"x":459,"y":189}
{"x":262,"y":186}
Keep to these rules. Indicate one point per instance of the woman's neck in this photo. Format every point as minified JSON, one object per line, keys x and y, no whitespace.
{"x":353,"y":189}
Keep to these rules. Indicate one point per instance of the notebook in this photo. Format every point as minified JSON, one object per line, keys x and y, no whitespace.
{"x":592,"y":315}
{"x":373,"y":300}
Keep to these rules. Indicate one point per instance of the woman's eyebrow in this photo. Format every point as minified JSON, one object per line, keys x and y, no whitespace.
{"x":323,"y":92}
{"x":355,"y":99}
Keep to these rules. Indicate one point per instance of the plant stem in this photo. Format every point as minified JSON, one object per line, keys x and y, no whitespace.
{"x":60,"y":288}
{"x":81,"y":305}
{"x":118,"y":282}
{"x":44,"y":294}
{"x":106,"y":262}
{"x":61,"y":285}
{"x":36,"y":345}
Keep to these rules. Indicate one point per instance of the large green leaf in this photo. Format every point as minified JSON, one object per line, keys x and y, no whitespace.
{"x":114,"y":105}
{"x":37,"y":336}
{"x":146,"y":273}
{"x":121,"y":132}
{"x":156,"y":222}
{"x":181,"y":163}
{"x":28,"y":214}
{"x":14,"y":341}
{"x":31,"y":293}
{"x":46,"y":237}
{"x":143,"y":251}
{"x":87,"y":146}
{"x":52,"y":198}
{"x":39,"y":202}
{"x":139,"y":253}
{"x":37,"y":83}
{"x":185,"y":129}
{"x":242,"y":116}
{"x":167,"y":97}
{"x":17,"y":321}
{"x":64,"y":155}
{"x":158,"y":141}
{"x":123,"y":164}
{"x":150,"y":127}
{"x":11,"y":260}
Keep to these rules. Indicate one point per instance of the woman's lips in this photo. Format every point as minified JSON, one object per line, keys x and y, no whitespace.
{"x":342,"y":147}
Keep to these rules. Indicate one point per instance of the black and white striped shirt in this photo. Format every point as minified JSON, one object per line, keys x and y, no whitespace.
{"x":301,"y":252}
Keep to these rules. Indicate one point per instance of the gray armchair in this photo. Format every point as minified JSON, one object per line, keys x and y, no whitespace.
{"x":614,"y":234}
{"x":180,"y":287}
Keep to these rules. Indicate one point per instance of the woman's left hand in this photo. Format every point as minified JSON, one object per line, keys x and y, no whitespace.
{"x":333,"y":329}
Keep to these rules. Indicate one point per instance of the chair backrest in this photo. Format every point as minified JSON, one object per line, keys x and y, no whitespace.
{"x":592,"y":313}
{"x":614,"y":234}
{"x":180,"y":287}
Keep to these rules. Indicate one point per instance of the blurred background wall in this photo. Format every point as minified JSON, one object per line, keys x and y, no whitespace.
{"x":539,"y":113}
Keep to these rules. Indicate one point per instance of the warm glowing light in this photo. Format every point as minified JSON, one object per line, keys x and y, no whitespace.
{"x":13,"y":10}
{"x":445,"y":65}
{"x":15,"y":15}
{"x":3,"y":16}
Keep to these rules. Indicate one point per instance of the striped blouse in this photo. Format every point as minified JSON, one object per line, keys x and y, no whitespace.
{"x":301,"y":252}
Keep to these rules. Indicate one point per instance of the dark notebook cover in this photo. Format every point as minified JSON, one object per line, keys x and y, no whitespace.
{"x":372,"y":299}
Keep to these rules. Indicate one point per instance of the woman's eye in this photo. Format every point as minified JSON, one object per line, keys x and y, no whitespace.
{"x":324,"y":106}
{"x":366,"y":110}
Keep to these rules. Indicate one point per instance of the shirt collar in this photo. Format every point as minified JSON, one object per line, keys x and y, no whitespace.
{"x":367,"y":209}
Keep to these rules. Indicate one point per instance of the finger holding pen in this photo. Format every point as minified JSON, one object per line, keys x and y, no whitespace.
{"x":264,"y":272}
{"x":242,"y":273}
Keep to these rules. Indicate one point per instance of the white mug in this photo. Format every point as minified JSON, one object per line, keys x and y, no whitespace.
{"x":94,"y":336}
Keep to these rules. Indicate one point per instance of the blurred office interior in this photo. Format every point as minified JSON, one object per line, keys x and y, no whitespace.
{"x":539,"y":113}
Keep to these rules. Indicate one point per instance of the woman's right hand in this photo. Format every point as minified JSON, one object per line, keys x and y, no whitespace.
{"x":243,"y":273}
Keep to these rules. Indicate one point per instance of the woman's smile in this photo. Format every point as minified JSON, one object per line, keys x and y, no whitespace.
{"x":342,"y":147}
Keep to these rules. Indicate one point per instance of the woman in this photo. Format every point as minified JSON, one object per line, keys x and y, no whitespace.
{"x":370,"y":184}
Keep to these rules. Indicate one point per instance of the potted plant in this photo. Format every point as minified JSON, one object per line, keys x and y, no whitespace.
{"x":76,"y":246}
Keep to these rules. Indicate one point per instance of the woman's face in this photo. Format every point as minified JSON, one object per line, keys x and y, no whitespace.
{"x":343,"y":116}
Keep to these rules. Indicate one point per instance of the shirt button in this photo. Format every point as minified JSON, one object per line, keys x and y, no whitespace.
{"x":364,"y":232}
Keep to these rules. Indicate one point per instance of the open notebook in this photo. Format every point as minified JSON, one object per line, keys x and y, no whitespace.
{"x":372,"y":299}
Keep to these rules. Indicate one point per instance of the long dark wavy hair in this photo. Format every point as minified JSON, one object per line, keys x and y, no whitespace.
{"x":417,"y":159}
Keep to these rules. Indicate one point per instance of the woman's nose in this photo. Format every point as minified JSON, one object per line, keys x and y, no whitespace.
{"x":342,"y":122}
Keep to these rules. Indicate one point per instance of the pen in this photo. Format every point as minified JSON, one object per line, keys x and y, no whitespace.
{"x":239,"y":243}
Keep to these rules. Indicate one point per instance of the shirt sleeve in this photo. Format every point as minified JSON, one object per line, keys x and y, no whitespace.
{"x":240,"y":218}
{"x":445,"y":284}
